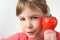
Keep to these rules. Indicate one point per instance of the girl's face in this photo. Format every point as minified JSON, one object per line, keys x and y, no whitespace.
{"x":30,"y":22}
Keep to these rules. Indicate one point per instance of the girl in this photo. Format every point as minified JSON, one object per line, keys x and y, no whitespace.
{"x":30,"y":13}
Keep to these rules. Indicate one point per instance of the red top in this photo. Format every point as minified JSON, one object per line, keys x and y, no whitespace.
{"x":22,"y":36}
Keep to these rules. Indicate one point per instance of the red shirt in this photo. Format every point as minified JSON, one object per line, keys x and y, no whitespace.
{"x":22,"y":36}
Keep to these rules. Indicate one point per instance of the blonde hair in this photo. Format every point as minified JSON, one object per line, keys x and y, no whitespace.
{"x":33,"y":4}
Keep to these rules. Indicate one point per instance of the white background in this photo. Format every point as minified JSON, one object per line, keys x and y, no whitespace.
{"x":9,"y":23}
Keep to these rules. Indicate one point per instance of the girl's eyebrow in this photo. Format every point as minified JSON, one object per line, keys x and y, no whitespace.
{"x":20,"y":16}
{"x":34,"y":15}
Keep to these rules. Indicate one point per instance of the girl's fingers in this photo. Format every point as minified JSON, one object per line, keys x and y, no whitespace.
{"x":49,"y":35}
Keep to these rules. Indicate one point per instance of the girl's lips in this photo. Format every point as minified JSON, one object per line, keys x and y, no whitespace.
{"x":30,"y":32}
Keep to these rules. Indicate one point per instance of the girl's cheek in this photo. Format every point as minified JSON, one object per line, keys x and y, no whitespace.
{"x":22,"y":25}
{"x":39,"y":25}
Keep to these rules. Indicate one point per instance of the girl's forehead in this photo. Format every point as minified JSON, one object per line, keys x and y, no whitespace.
{"x":28,"y":12}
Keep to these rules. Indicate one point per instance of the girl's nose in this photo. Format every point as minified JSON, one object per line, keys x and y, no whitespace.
{"x":29,"y":24}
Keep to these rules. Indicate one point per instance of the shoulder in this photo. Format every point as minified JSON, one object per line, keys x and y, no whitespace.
{"x":58,"y":35}
{"x":16,"y":36}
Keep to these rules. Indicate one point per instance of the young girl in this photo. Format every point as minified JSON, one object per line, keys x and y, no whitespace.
{"x":30,"y":13}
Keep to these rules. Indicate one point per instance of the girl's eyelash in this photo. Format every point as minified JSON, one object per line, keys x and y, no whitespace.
{"x":34,"y":17}
{"x":22,"y":19}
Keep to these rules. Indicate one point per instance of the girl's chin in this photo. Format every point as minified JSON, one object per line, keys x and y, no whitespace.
{"x":31,"y":36}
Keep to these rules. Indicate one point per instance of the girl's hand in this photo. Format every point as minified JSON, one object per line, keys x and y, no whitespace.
{"x":49,"y":35}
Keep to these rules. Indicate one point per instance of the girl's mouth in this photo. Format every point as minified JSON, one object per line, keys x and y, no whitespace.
{"x":31,"y":32}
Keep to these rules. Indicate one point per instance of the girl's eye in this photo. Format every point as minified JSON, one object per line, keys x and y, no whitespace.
{"x":22,"y":19}
{"x":34,"y":18}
